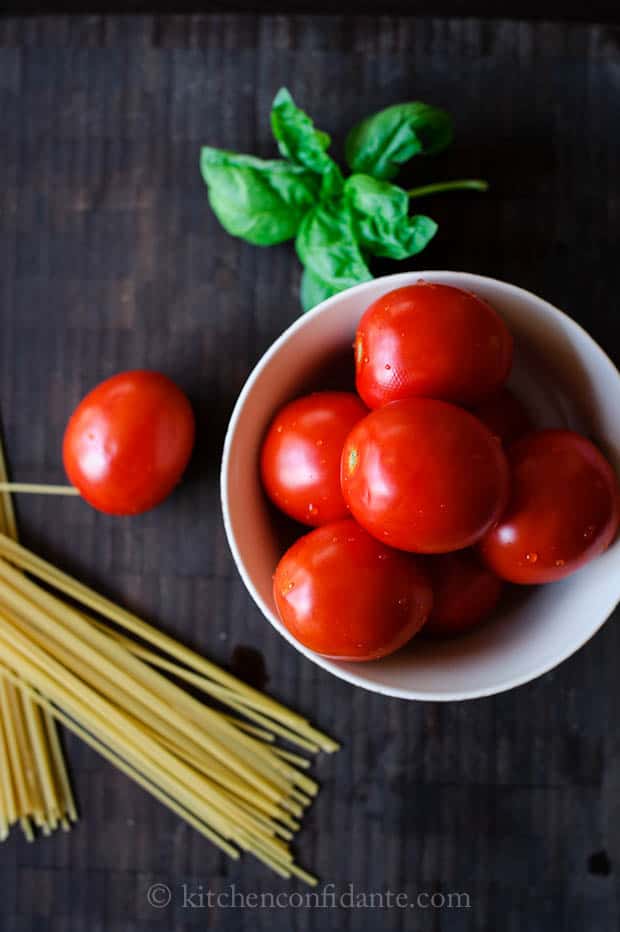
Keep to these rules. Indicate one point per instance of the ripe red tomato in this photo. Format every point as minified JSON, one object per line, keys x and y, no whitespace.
{"x":465,"y":593}
{"x":300,"y":458}
{"x":128,"y":442}
{"x":424,"y":475}
{"x":346,"y":596}
{"x":563,"y":509}
{"x":433,"y":341}
{"x":505,"y":416}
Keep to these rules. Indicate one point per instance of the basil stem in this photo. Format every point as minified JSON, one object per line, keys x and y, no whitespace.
{"x":466,"y":184}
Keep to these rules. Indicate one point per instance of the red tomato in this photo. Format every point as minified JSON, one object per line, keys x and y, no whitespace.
{"x":505,"y":416}
{"x":424,"y":475}
{"x":433,"y":341}
{"x":465,"y":593}
{"x":300,"y":458}
{"x":128,"y":442}
{"x":346,"y":596}
{"x":563,"y":510}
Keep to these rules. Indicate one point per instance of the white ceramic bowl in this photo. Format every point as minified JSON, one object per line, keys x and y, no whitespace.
{"x":567,"y":379}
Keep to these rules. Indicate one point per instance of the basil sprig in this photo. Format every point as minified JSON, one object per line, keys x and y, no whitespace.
{"x":337,"y":224}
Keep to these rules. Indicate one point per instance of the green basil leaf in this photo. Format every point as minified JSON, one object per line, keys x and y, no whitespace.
{"x":312,"y":290}
{"x":260,"y":201}
{"x":381,"y":143}
{"x":296,"y":135}
{"x":326,"y":245}
{"x":380,"y":214}
{"x":332,"y":182}
{"x":300,"y":141}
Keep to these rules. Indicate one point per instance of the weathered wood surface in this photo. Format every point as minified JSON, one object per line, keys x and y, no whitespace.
{"x":110,"y":258}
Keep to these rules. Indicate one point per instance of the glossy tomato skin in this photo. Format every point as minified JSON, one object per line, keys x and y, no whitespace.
{"x":505,"y":415}
{"x":424,"y":476}
{"x":563,"y":509}
{"x":128,"y":442}
{"x":465,"y":593}
{"x":344,"y":595}
{"x":300,"y":456}
{"x":433,"y":341}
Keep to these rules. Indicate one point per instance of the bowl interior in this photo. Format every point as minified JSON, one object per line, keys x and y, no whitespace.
{"x":566,"y":381}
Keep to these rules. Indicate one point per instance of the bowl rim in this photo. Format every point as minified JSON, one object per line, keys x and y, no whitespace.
{"x":466,"y":279}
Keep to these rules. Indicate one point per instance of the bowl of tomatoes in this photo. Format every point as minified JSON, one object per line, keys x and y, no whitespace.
{"x":419,"y":486}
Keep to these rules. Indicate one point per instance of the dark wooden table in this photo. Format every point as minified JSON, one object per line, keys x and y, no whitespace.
{"x":110,"y":259}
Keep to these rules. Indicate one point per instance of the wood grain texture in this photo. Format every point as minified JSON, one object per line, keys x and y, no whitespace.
{"x":110,"y":258}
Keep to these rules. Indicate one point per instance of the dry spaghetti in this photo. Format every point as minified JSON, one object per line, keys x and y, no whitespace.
{"x":69,"y":654}
{"x":34,"y":786}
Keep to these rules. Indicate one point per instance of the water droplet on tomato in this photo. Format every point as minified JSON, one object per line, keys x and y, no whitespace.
{"x":559,"y":562}
{"x":589,"y":531}
{"x":531,"y":557}
{"x":352,"y":460}
{"x":319,"y":443}
{"x":312,"y":509}
{"x":387,"y":366}
{"x":279,"y":429}
{"x":365,"y":358}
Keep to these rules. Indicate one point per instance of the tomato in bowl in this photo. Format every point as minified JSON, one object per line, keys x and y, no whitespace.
{"x":565,"y":381}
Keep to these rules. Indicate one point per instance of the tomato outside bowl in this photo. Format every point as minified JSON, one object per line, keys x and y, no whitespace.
{"x":566,"y":381}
